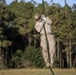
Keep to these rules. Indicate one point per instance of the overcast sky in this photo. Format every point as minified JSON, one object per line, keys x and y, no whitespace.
{"x":69,"y":2}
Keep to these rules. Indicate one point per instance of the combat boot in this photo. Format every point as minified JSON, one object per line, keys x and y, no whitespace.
{"x":47,"y":64}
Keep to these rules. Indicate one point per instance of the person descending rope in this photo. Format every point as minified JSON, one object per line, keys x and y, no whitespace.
{"x":41,"y":20}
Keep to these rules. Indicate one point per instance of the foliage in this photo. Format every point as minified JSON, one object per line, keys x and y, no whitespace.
{"x":33,"y":57}
{"x":19,"y":41}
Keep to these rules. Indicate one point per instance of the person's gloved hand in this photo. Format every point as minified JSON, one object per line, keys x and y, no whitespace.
{"x":43,"y":22}
{"x":43,"y":17}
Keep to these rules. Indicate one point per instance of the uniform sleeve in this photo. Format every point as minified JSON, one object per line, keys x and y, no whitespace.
{"x":38,"y":27}
{"x":48,"y":20}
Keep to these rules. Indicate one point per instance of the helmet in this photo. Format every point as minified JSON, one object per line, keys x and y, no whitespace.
{"x":37,"y":16}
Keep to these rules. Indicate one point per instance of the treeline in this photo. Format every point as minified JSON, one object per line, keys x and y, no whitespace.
{"x":20,"y":43}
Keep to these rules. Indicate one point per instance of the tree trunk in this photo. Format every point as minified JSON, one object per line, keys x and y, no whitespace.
{"x":67,"y":55}
{"x":74,"y":62}
{"x":34,"y":39}
{"x":29,"y":39}
{"x":70,"y":53}
{"x":60,"y":60}
{"x":1,"y":59}
{"x":58,"y":48}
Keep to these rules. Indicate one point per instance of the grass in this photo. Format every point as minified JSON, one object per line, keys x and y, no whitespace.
{"x":38,"y":72}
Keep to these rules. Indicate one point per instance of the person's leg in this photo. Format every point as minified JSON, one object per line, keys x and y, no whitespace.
{"x":44,"y":50}
{"x":45,"y":56}
{"x":51,"y":49}
{"x":52,"y":52}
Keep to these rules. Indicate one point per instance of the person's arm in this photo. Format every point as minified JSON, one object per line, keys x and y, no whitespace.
{"x":39,"y":27}
{"x":48,"y":20}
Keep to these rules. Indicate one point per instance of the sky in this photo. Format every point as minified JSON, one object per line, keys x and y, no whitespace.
{"x":61,"y":2}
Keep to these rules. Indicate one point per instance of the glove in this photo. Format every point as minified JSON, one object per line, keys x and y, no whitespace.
{"x":43,"y":17}
{"x":43,"y":22}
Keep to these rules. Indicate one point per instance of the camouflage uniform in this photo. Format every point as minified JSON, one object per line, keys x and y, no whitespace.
{"x":39,"y":27}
